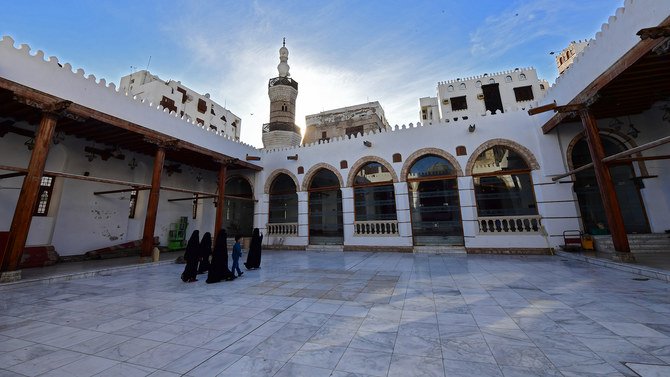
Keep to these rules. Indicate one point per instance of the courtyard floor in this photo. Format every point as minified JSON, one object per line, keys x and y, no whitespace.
{"x":344,"y":314}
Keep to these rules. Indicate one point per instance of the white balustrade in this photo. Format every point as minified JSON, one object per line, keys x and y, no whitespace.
{"x":282,"y":229}
{"x":509,"y":224}
{"x":376,"y":228}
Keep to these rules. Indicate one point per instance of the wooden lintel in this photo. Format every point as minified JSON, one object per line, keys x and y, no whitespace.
{"x":253,"y":158}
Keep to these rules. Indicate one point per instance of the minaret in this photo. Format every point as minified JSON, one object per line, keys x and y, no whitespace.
{"x":282,"y":90}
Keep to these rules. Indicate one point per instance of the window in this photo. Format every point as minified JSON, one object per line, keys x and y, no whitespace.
{"x":44,"y":196}
{"x":168,"y":103}
{"x":133,"y":204}
{"x":458,"y":103}
{"x":492,"y":81}
{"x":353,"y":130}
{"x":524,"y":93}
{"x":522,"y":77}
{"x":508,"y":79}
{"x":301,"y":170}
{"x":478,"y":84}
{"x":184,"y":97}
{"x":503,"y":185}
{"x":462,"y":86}
{"x":424,"y":114}
{"x":397,"y":157}
{"x":213,"y":127}
{"x":212,"y":110}
{"x":223,"y":118}
{"x":202,"y":106}
{"x":374,"y":195}
{"x":284,"y":107}
{"x":541,"y":86}
{"x":324,"y":135}
{"x":450,"y":88}
{"x":283,"y":200}
{"x":238,"y":212}
{"x":461,"y":151}
{"x":344,"y":164}
{"x":200,"y":121}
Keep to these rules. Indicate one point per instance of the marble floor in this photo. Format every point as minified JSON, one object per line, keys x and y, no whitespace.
{"x":344,"y":314}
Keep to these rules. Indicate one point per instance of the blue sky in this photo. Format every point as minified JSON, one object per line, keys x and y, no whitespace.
{"x":342,"y":53}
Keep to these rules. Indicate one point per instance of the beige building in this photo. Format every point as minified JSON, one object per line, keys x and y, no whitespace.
{"x":344,"y":121}
{"x":566,"y":57}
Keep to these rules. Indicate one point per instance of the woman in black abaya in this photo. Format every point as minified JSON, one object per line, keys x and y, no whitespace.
{"x":204,"y":252}
{"x":191,"y":257}
{"x":218,"y":270}
{"x":254,"y":256}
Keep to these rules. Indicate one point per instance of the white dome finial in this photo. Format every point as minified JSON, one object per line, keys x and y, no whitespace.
{"x":283,"y":67}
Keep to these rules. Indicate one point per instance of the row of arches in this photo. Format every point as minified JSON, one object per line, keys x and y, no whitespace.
{"x":503,"y":187}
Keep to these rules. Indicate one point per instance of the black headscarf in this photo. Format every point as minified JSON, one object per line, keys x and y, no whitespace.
{"x":219,"y":269}
{"x":254,"y":256}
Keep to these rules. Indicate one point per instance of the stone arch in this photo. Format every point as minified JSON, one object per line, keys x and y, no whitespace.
{"x":310,"y":173}
{"x":251,"y":184}
{"x":275,"y":174}
{"x":618,"y":135}
{"x":364,"y":160}
{"x":424,"y":151}
{"x":527,"y":155}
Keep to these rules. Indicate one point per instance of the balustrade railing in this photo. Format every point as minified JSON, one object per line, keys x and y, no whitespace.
{"x":376,"y":228}
{"x":282,"y":229}
{"x":509,"y":224}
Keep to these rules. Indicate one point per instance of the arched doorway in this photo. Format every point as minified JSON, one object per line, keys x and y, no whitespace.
{"x":625,"y":183}
{"x":325,"y":209}
{"x":283,"y":206}
{"x":434,"y":203}
{"x":238,"y":217}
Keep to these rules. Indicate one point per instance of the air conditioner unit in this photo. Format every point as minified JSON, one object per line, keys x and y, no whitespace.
{"x":480,"y":96}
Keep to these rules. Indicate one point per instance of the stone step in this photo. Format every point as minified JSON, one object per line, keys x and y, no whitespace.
{"x":439,"y":250}
{"x":324,"y":248}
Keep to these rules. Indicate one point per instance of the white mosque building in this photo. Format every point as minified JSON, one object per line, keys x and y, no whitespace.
{"x":86,"y":166}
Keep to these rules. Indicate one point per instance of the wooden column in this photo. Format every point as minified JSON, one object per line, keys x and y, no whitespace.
{"x":606,"y":186}
{"x":152,"y":206}
{"x":23,"y":213}
{"x":221,"y":195}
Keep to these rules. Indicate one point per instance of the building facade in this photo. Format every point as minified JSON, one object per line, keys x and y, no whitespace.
{"x":566,"y":57}
{"x":345,"y":121}
{"x":176,"y":97}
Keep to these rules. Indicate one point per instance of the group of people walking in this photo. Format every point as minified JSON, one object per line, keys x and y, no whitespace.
{"x":198,"y":253}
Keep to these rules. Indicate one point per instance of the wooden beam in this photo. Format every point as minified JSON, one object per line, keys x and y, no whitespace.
{"x":119,"y":191}
{"x":606,"y":187}
{"x":12,"y":175}
{"x":192,"y":198}
{"x":542,"y":109}
{"x":220,"y":201}
{"x":573,"y":171}
{"x":23,"y":213}
{"x":642,"y":158}
{"x":152,"y":206}
{"x":640,"y":148}
{"x":616,"y":69}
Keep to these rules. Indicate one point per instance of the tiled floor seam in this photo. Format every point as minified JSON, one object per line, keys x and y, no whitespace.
{"x":632,"y":268}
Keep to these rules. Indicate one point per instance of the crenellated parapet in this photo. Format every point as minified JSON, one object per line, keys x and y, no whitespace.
{"x":31,"y":68}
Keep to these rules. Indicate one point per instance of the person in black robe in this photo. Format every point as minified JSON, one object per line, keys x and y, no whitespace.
{"x":254,"y":257}
{"x":191,"y":257}
{"x":219,"y":270}
{"x":204,"y":252}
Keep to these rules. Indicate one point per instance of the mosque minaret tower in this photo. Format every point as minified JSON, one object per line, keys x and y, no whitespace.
{"x":283,"y":91}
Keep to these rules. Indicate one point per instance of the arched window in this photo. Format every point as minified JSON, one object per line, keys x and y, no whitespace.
{"x":374,"y":196}
{"x":434,"y":202}
{"x":508,"y":78}
{"x":450,"y":88}
{"x":462,"y":86}
{"x":478,"y":84}
{"x":492,"y":81}
{"x":239,"y":207}
{"x":397,"y":157}
{"x":503,"y":185}
{"x":283,"y":200}
{"x":522,"y":77}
